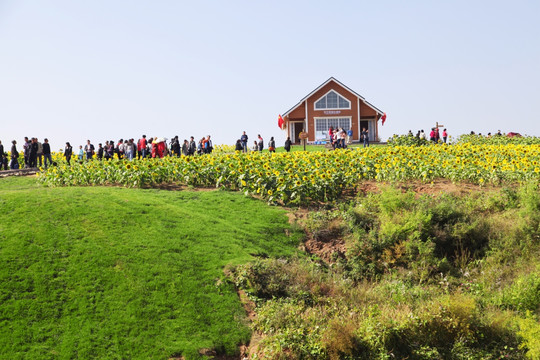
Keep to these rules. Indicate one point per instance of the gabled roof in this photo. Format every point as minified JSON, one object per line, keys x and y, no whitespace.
{"x":340,"y":84}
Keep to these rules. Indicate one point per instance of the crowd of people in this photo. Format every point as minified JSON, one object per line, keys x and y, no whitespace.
{"x":35,"y":153}
{"x":434,"y":135}
{"x":39,"y":154}
{"x":498,"y":133}
{"x":258,"y":145}
{"x":339,"y":138}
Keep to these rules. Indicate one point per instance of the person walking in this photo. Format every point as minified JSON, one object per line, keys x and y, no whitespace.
{"x":365,"y":135}
{"x":432,"y":135}
{"x":100,"y":152}
{"x":343,"y":139}
{"x":349,"y":136}
{"x":81,"y":153}
{"x":185,"y":148}
{"x":120,"y":149}
{"x":208,"y":147}
{"x":175,"y":146}
{"x":32,"y":157}
{"x":39,"y":153}
{"x":261,"y":143}
{"x":130,"y":153}
{"x":110,"y":150}
{"x":244,"y":141}
{"x":68,"y":152}
{"x":192,"y":146}
{"x":14,"y":164}
{"x":89,"y":150}
{"x":272,"y":145}
{"x":288,"y":144}
{"x":200,"y":146}
{"x":26,"y":150}
{"x":141,"y":147}
{"x":47,"y":159}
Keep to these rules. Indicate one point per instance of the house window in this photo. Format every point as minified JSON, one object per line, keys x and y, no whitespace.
{"x":332,"y":100}
{"x":322,"y":125}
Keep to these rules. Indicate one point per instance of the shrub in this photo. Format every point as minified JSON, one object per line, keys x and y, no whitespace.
{"x":529,"y":330}
{"x":524,"y":293}
{"x":408,"y":140}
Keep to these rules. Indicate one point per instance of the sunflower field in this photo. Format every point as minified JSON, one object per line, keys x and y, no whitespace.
{"x":300,"y":177}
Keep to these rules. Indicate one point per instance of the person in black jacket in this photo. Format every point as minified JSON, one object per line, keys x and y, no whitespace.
{"x":46,"y":152}
{"x":32,"y":157}
{"x":192,"y":146}
{"x":14,"y":156}
{"x":239,"y":146}
{"x":100,"y":151}
{"x":175,"y":146}
{"x":288,"y":144}
{"x":68,"y":151}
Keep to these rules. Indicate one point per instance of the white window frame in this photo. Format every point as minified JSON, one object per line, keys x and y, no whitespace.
{"x":335,"y":108}
{"x":315,"y":119}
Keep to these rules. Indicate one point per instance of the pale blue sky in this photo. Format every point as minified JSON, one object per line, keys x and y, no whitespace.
{"x":72,"y":70}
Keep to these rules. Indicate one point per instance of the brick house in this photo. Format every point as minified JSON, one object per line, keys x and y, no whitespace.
{"x":331,"y":104}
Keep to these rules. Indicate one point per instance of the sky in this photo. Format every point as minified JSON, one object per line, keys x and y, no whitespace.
{"x":105,"y":70}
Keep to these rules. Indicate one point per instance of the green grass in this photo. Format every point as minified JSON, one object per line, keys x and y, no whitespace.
{"x":116,"y":273}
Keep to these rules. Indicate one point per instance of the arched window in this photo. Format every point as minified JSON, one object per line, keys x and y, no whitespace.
{"x":332,"y":100}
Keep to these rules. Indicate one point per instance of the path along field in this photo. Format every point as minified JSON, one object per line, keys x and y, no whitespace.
{"x":300,"y":177}
{"x":116,"y":273}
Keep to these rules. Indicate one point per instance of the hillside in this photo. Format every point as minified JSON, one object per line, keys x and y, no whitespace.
{"x":115,"y":273}
{"x":417,"y":271}
{"x":405,"y":270}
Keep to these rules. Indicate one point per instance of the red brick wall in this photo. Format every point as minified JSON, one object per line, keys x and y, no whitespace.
{"x":298,"y":113}
{"x":366,"y":111}
{"x":352,"y":112}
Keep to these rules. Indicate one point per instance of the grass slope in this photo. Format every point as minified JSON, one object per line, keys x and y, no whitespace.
{"x":121,"y":273}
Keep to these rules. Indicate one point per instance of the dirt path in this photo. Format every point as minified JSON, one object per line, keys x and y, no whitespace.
{"x":18,"y":172}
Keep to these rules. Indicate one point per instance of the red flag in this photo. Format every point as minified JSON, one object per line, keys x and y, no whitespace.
{"x":383,"y":118}
{"x":280,"y":122}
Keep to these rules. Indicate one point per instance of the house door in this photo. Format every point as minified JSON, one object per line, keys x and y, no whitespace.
{"x":296,"y":130}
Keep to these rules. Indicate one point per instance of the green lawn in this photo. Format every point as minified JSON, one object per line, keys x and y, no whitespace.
{"x":117,"y":273}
